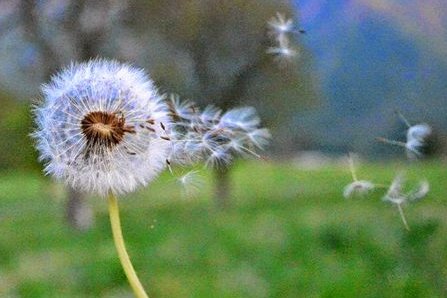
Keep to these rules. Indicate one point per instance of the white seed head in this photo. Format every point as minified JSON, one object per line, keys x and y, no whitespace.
{"x":417,"y":136}
{"x":419,"y":132}
{"x":100,"y":127}
{"x":358,"y":188}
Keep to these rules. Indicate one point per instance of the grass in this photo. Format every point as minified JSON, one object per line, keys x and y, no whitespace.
{"x":289,"y":233}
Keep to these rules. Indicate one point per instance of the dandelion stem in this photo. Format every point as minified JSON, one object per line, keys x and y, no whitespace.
{"x":351,"y":167}
{"x":121,"y":248}
{"x":391,"y":142}
{"x":402,"y":215}
{"x":401,"y":116}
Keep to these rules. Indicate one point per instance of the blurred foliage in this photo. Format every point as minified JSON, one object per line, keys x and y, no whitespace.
{"x":291,"y":234}
{"x":16,"y":146}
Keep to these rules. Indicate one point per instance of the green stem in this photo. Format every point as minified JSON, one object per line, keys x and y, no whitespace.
{"x":121,"y":248}
{"x":402,"y":215}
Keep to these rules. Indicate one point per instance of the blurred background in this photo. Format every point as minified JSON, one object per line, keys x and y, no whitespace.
{"x":358,"y":62}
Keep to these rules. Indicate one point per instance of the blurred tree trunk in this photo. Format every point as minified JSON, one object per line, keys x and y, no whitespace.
{"x":79,"y":215}
{"x":222,"y":188}
{"x":229,"y":97}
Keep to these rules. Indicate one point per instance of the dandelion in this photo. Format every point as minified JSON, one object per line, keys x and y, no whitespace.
{"x":417,"y":136}
{"x":357,"y":188}
{"x":395,"y":195}
{"x":101,"y":128}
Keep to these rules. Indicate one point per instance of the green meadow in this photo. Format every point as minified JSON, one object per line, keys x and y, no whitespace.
{"x":288,"y":233}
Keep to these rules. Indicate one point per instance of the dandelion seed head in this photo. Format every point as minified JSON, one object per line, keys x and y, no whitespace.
{"x":417,"y":136}
{"x":414,"y":149}
{"x":98,"y":127}
{"x":419,"y":132}
{"x":359,"y":188}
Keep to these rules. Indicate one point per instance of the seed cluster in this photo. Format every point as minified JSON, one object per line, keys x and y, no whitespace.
{"x":104,"y":129}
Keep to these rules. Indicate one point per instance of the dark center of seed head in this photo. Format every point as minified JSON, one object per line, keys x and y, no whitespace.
{"x":104,"y":129}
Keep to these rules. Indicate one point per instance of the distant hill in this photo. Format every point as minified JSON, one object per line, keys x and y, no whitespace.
{"x":370,"y":58}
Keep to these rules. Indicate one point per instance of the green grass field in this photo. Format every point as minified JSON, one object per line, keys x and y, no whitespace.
{"x":289,"y":233}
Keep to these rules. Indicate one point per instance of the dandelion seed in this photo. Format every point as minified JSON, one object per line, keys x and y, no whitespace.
{"x":259,"y":137}
{"x":191,"y":183}
{"x":396,"y":196}
{"x":283,"y":53}
{"x":417,"y":136}
{"x":420,"y":192}
{"x":92,"y":130}
{"x":280,"y":25}
{"x":358,"y":188}
{"x":179,"y":109}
